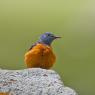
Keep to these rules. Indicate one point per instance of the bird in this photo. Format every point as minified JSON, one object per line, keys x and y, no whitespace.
{"x":40,"y":54}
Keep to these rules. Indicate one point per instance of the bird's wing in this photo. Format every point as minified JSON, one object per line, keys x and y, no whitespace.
{"x":32,"y":46}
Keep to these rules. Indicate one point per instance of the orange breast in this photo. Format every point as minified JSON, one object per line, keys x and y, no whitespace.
{"x":40,"y":56}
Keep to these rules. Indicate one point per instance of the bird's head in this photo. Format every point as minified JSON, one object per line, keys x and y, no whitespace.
{"x":47,"y":38}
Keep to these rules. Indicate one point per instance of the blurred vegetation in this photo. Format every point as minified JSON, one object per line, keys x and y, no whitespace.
{"x":22,"y":21}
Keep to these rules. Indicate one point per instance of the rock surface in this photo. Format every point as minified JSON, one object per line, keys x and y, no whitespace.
{"x":33,"y":81}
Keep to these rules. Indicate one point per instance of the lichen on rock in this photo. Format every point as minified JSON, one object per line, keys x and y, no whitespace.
{"x":34,"y":81}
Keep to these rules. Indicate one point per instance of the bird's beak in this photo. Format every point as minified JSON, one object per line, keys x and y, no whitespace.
{"x":56,"y":37}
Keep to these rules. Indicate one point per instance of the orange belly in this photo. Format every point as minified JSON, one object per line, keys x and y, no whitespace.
{"x":4,"y":93}
{"x":40,"y":56}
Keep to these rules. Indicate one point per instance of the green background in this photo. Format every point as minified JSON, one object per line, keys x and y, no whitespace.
{"x":22,"y":21}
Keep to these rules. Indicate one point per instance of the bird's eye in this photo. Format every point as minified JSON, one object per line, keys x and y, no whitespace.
{"x":48,"y":34}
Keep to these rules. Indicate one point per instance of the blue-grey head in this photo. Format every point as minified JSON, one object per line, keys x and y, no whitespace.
{"x":47,"y":38}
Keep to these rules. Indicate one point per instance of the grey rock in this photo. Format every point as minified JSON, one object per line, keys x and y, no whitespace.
{"x":33,"y":81}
